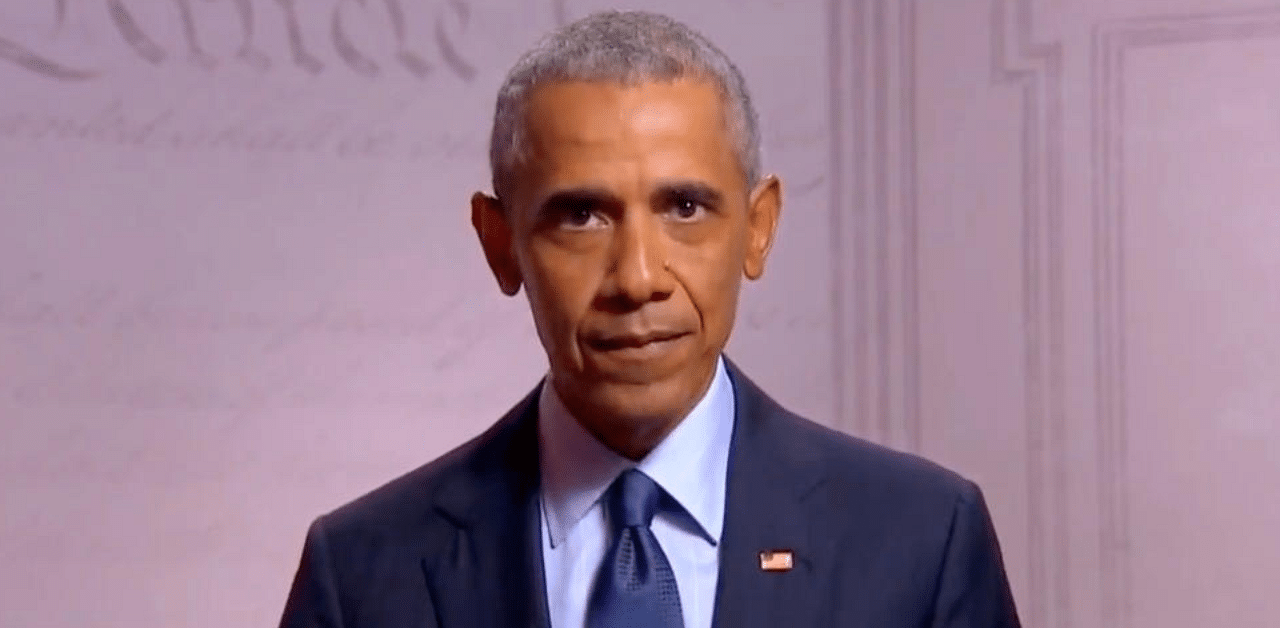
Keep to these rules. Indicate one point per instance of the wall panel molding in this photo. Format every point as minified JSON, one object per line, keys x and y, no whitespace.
{"x":874,"y":220}
{"x":874,"y":242}
{"x":1035,"y":68}
{"x":1112,"y":43}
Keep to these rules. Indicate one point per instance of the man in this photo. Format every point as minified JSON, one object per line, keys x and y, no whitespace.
{"x":646,"y":481}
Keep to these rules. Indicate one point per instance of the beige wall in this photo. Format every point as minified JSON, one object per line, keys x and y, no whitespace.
{"x":1032,"y":239}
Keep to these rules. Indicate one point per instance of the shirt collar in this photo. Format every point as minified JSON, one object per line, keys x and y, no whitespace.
{"x":690,"y":464}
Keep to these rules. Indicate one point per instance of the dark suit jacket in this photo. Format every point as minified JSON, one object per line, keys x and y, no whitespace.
{"x":880,"y":539}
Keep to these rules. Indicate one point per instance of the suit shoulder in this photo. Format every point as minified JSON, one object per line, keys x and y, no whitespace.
{"x":855,"y":461}
{"x":872,"y":492}
{"x":406,"y":498}
{"x":858,"y":468}
{"x":413,"y":499}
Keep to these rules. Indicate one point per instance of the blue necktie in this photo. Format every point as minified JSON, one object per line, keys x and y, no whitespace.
{"x":635,"y":587}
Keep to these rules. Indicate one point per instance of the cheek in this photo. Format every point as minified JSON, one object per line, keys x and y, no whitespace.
{"x":713,"y":283}
{"x":726,"y":307}
{"x":560,"y":289}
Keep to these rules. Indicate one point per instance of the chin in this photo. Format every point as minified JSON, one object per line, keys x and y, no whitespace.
{"x":636,"y":393}
{"x":654,"y":403}
{"x":631,"y":404}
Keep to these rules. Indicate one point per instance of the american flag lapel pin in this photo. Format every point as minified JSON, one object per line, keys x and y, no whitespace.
{"x":777,"y":560}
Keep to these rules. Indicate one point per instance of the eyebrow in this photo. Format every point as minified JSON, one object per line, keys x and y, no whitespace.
{"x":667,"y":193}
{"x":575,"y":197}
{"x":702,"y":193}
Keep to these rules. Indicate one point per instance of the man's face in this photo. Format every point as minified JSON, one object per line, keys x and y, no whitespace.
{"x":630,"y":228}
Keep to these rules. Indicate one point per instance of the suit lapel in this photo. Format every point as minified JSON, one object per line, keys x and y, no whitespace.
{"x":765,"y":510}
{"x":492,"y":573}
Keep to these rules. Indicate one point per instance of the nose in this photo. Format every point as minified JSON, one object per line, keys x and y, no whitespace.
{"x":638,"y":271}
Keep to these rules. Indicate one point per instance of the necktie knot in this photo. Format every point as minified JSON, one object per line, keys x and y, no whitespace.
{"x":633,"y":499}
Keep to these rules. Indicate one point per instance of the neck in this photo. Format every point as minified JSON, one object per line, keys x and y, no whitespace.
{"x":632,"y":443}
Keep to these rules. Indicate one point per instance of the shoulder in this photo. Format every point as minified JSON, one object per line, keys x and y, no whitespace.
{"x":854,"y":466}
{"x":853,"y":461}
{"x":442,"y":492}
{"x":870,"y":489}
{"x":890,"y":512}
{"x":913,"y":530}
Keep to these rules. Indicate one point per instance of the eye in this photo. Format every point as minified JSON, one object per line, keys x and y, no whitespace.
{"x":687,"y":208}
{"x":580,"y":216}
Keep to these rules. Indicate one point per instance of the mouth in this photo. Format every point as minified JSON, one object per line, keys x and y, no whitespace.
{"x":638,"y":358}
{"x":633,"y":341}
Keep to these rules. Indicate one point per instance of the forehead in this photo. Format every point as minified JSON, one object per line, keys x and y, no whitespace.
{"x":577,"y":107}
{"x":581,"y":125}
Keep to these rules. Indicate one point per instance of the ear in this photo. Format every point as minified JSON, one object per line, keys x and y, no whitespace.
{"x":494,"y":231}
{"x":763,"y":208}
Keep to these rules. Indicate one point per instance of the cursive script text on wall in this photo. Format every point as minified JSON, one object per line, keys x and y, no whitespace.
{"x":412,"y":27}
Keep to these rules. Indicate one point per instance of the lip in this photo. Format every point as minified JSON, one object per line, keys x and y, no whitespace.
{"x":632,"y":340}
{"x":638,"y":358}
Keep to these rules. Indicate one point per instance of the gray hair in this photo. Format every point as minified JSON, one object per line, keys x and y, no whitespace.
{"x":623,"y":47}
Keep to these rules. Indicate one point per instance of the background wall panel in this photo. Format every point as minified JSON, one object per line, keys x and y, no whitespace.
{"x":1032,"y":240}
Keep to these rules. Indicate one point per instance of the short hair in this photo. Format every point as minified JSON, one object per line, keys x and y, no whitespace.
{"x":628,"y":48}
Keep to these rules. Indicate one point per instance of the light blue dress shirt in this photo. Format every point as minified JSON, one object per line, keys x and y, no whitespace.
{"x":690,"y":464}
